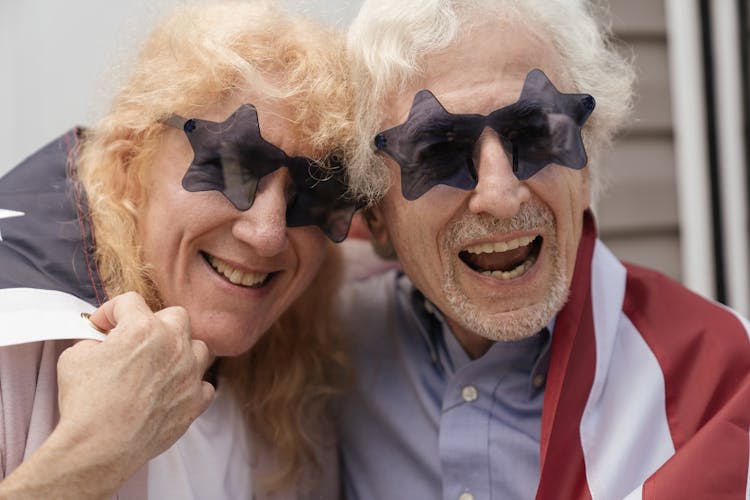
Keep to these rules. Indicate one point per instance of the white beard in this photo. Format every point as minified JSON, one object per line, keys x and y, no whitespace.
{"x":516,"y":324}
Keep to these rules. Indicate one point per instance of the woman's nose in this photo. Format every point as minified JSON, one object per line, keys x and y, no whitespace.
{"x":498,"y":192}
{"x":263,"y":225}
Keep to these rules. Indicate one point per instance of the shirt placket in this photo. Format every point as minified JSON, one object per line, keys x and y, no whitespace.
{"x":464,"y":438}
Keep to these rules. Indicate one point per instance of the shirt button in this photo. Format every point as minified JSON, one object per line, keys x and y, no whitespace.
{"x":466,"y":496}
{"x":539,"y":380}
{"x":469,"y":393}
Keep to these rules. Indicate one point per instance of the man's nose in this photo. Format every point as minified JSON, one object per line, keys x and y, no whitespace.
{"x":498,"y":192}
{"x":263,"y":225}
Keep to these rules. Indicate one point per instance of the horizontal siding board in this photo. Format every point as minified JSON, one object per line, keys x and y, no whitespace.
{"x":640,"y":186}
{"x":653,"y":112}
{"x":638,"y":212}
{"x":660,"y":252}
{"x":638,"y":17}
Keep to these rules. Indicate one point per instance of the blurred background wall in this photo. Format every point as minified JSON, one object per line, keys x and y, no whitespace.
{"x":677,"y":199}
{"x":678,"y":196}
{"x":60,"y":62}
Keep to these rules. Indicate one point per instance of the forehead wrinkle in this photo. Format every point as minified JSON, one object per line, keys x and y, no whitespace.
{"x":275,"y":118}
{"x":486,"y":67}
{"x":278,"y":126}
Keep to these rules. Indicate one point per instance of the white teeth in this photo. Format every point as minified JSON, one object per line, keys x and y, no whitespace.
{"x":501,"y":246}
{"x":513,"y":273}
{"x":251,"y":279}
{"x":235,"y":275}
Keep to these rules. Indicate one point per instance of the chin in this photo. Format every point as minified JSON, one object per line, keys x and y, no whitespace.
{"x":231,"y":347}
{"x":227,"y":339}
{"x":518,"y":322}
{"x":506,"y":326}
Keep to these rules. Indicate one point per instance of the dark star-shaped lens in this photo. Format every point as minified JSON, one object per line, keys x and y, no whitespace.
{"x":435,"y":147}
{"x":231,"y":157}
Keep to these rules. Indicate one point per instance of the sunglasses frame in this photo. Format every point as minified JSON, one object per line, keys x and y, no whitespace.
{"x":541,"y":116}
{"x":231,"y":167}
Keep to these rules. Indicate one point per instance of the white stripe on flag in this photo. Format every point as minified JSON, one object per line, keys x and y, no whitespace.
{"x":636,"y":494}
{"x":33,"y":315}
{"x":624,"y":431}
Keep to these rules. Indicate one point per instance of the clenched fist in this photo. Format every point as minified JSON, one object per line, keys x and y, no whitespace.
{"x":122,"y":401}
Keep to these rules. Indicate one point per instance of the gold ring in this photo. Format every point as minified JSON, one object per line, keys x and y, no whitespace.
{"x":96,"y":327}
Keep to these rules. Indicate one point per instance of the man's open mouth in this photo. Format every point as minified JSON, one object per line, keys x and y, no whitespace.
{"x":236,"y":276}
{"x":503,"y":260}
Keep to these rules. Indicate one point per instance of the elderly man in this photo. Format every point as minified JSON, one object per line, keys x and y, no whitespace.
{"x":514,"y":353}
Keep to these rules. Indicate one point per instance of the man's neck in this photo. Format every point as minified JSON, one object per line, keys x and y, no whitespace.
{"x":474,"y":345}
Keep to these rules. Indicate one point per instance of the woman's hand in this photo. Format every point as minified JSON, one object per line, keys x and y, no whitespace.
{"x":122,"y":401}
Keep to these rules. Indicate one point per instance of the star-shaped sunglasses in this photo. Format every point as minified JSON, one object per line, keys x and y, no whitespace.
{"x":231,"y":157}
{"x":435,"y":147}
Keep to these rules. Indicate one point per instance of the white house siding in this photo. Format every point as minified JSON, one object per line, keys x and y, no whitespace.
{"x":638,"y":214}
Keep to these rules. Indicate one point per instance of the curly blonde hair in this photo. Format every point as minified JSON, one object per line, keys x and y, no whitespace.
{"x":194,"y":60}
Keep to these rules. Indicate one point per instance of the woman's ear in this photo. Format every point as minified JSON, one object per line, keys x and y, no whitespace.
{"x":379,"y":236}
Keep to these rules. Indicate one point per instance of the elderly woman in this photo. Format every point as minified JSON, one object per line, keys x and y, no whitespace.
{"x":210,"y":194}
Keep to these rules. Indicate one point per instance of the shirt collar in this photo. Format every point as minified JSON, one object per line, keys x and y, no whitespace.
{"x":448,"y":354}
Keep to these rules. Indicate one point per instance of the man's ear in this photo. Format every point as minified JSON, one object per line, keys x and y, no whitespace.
{"x":379,"y":235}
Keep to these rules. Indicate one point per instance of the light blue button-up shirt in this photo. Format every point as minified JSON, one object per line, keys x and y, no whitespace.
{"x":424,"y":421}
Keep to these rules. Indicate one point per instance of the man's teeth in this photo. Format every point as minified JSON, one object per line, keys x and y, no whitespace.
{"x":501,"y":246}
{"x":235,"y":275}
{"x":506,"y":246}
{"x":513,"y":273}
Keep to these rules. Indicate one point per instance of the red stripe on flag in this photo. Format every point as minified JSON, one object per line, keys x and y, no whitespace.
{"x":571,"y":374}
{"x":704,"y":354}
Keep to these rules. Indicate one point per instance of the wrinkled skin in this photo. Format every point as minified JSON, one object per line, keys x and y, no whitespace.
{"x":429,"y":233}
